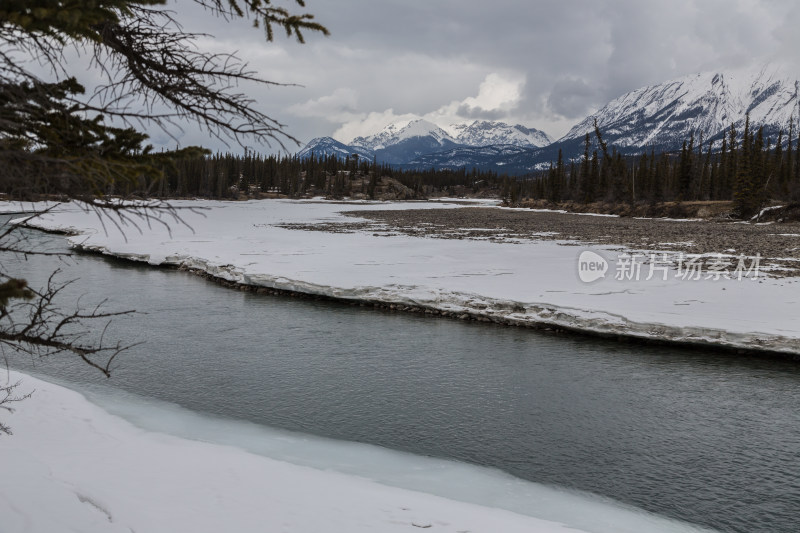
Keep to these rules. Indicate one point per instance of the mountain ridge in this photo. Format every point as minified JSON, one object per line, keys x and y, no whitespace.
{"x":656,"y":117}
{"x":704,"y":104}
{"x":402,"y":142}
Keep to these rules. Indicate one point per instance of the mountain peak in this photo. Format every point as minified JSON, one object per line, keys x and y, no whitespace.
{"x":400,"y":131}
{"x":486,"y":133}
{"x":704,"y":104}
{"x":658,"y":117}
{"x":322,"y":146}
{"x":476,"y":133}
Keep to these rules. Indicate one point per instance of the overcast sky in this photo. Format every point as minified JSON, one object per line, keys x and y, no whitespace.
{"x":543,"y":64}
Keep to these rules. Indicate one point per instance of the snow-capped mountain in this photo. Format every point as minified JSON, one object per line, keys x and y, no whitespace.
{"x":476,"y":133}
{"x":659,"y":117}
{"x":485,"y":133}
{"x":663,"y":116}
{"x":402,"y":142}
{"x":322,"y":146}
{"x":403,"y":131}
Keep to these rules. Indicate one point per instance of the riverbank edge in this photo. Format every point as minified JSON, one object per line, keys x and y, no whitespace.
{"x":744,"y":344}
{"x":65,"y":473}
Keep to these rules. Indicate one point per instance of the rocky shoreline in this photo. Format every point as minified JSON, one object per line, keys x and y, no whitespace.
{"x":777,"y":243}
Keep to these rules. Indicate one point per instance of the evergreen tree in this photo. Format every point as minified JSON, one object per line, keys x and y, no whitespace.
{"x":706,"y":174}
{"x":779,"y":167}
{"x":594,"y":177}
{"x":586,"y":180}
{"x":733,"y":159}
{"x":604,"y":179}
{"x":797,"y":153}
{"x":558,"y":179}
{"x":789,"y":165}
{"x":745,"y":198}
{"x":760,"y":175}
{"x":684,"y":172}
{"x":56,"y":140}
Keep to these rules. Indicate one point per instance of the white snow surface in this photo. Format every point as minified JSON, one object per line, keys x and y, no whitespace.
{"x":72,"y":467}
{"x":25,"y":207}
{"x":519,"y":282}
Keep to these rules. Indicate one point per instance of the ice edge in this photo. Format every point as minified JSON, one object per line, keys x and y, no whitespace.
{"x":485,"y":309}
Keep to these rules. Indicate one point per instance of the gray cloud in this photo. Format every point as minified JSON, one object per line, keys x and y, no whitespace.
{"x":395,"y":58}
{"x":467,"y":111}
{"x":572,"y":98}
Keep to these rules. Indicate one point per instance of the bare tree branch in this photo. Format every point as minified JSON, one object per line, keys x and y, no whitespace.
{"x":8,"y":396}
{"x":59,"y":143}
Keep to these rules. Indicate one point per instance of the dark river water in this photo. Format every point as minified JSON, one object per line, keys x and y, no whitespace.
{"x":708,"y":438}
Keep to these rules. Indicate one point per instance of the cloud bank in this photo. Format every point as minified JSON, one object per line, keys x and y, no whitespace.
{"x":540,"y":64}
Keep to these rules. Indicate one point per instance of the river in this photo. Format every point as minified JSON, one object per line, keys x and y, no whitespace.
{"x":704,"y":437}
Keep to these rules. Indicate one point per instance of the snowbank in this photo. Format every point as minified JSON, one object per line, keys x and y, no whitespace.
{"x":70,"y":466}
{"x":513,"y":282}
{"x":9,"y":208}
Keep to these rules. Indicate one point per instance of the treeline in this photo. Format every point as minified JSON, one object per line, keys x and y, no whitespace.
{"x":748,"y":169}
{"x":745,"y":168}
{"x":231,"y":176}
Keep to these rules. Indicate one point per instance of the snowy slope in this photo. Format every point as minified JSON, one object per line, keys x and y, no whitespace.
{"x":402,"y":131}
{"x":70,"y":466}
{"x":485,"y":133}
{"x":707,"y":104}
{"x":412,"y":141}
{"x":476,"y":134}
{"x":322,"y":146}
{"x":402,"y":141}
{"x":526,"y":282}
{"x":395,"y":144}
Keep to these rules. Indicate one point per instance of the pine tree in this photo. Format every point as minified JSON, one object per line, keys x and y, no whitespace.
{"x":573,"y":181}
{"x":72,"y":143}
{"x":779,"y":167}
{"x":705,"y":186}
{"x":651,"y":175}
{"x":587,"y":185}
{"x":684,"y":172}
{"x":733,"y":159}
{"x":721,"y":184}
{"x":789,"y":165}
{"x":797,"y":153}
{"x":640,"y":179}
{"x":57,"y":140}
{"x":761,"y":176}
{"x":745,"y":197}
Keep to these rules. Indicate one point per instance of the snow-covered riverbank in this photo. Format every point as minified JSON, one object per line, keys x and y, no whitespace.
{"x":70,"y":466}
{"x":527,"y":282}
